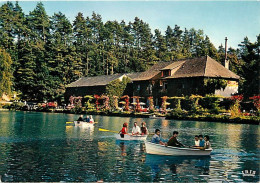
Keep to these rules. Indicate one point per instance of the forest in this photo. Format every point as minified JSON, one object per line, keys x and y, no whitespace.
{"x":41,"y":54}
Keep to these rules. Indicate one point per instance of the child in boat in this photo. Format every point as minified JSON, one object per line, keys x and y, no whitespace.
{"x":87,"y":119}
{"x":173,"y":140}
{"x":144,"y":130}
{"x":202,"y":142}
{"x":196,"y":141}
{"x":136,"y":129}
{"x":156,"y":138}
{"x":124,"y":129}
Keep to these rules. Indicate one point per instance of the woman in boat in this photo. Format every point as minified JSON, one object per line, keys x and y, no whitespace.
{"x":207,"y":144}
{"x":144,"y":130}
{"x":91,"y":120}
{"x":124,"y":129}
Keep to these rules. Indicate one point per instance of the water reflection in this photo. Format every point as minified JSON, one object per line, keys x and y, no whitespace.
{"x":40,"y":147}
{"x":80,"y":132}
{"x":176,"y":166}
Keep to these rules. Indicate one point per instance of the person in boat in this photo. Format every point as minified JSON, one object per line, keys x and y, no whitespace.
{"x":156,"y":138}
{"x":173,"y":140}
{"x":91,"y":120}
{"x":80,"y":118}
{"x":123,"y":131}
{"x":136,"y":129}
{"x":202,"y":142}
{"x":144,"y":130}
{"x":196,"y":141}
{"x":207,"y":144}
{"x":87,"y":119}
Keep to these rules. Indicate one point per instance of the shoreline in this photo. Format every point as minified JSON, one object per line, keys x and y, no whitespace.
{"x":223,"y":119}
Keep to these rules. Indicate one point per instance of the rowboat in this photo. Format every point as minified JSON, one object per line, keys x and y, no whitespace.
{"x":130,"y":137}
{"x":83,"y":124}
{"x":157,"y":117}
{"x":152,"y":148}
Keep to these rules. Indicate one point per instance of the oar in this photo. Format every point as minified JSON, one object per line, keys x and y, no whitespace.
{"x":105,"y":130}
{"x":73,"y":122}
{"x":69,"y":122}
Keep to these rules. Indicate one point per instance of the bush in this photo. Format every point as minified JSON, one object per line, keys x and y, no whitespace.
{"x":178,"y":113}
{"x":17,"y":105}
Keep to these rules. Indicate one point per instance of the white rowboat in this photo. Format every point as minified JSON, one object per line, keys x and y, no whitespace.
{"x":157,"y":117}
{"x":83,"y":124}
{"x":152,"y":148}
{"x":130,"y":137}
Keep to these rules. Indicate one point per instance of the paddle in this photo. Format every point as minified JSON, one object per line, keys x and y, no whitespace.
{"x":73,"y":122}
{"x":105,"y":130}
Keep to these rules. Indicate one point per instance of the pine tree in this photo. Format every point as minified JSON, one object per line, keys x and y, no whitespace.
{"x":250,"y":55}
{"x":6,"y":74}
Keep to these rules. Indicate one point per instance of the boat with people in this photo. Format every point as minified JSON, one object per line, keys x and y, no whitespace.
{"x":83,"y":124}
{"x":130,"y":137}
{"x":153,"y":148}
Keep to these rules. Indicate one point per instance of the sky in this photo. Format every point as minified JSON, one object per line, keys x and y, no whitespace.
{"x":218,"y":19}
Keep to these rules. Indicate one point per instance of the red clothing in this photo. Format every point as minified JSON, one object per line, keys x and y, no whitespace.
{"x":124,"y":130}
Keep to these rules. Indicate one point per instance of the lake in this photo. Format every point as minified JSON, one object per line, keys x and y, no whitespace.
{"x":40,"y":147}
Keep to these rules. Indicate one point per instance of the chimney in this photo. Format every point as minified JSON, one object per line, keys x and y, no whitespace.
{"x":226,"y":62}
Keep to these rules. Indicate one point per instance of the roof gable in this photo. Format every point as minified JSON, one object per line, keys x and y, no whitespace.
{"x":96,"y":80}
{"x":202,"y":67}
{"x":215,"y":69}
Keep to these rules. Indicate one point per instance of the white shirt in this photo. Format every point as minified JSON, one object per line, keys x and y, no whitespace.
{"x":136,"y":130}
{"x":197,"y":143}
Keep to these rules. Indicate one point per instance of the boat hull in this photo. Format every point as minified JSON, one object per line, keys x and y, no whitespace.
{"x":131,"y":137}
{"x":83,"y":124}
{"x":152,"y":148}
{"x":157,"y":117}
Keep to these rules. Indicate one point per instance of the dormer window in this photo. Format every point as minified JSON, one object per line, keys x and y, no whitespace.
{"x":166,"y":73}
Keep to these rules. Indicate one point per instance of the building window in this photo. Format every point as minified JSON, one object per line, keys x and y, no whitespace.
{"x":150,"y":89}
{"x":165,"y":86}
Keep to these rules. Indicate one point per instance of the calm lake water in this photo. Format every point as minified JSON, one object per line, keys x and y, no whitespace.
{"x":40,"y":147}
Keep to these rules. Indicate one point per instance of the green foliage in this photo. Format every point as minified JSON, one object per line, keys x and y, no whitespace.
{"x":49,"y":52}
{"x":178,"y":113}
{"x":89,"y":106}
{"x":17,"y":105}
{"x":235,"y":109}
{"x":117,"y":87}
{"x":211,"y":102}
{"x":249,"y":55}
{"x":6,"y":74}
{"x":215,"y":84}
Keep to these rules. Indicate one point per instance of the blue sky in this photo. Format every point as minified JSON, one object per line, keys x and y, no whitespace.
{"x":218,"y":19}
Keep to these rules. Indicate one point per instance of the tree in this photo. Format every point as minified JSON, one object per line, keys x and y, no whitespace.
{"x":249,"y":53}
{"x":6,"y":74}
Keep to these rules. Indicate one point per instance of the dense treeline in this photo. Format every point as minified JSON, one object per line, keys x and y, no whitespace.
{"x":50,"y":52}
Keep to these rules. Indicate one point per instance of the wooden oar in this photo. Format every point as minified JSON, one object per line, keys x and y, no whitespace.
{"x":105,"y":130}
{"x":73,"y":122}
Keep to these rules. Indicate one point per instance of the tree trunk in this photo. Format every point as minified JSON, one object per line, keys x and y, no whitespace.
{"x":87,"y":65}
